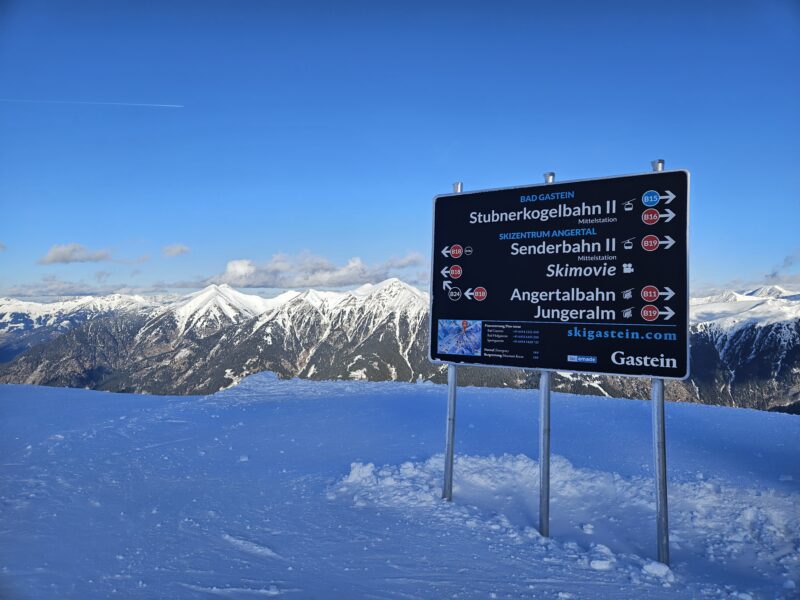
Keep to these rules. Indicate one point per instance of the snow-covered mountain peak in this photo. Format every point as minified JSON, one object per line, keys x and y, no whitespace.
{"x":720,"y":297}
{"x":773,"y":291}
{"x":370,"y":288}
{"x":732,"y":310}
{"x":47,"y":313}
{"x":215,"y":305}
{"x":280,"y":300}
{"x":114,"y":302}
{"x":389,"y":292}
{"x":388,"y":287}
{"x":392,"y":295}
{"x":322,"y":299}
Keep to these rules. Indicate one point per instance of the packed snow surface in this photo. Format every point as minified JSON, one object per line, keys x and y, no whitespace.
{"x":332,"y":490}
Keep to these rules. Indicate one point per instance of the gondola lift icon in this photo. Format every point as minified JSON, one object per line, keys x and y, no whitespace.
{"x":628,"y":244}
{"x":628,"y":206}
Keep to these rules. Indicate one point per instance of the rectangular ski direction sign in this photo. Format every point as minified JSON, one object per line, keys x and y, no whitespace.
{"x":588,"y":276}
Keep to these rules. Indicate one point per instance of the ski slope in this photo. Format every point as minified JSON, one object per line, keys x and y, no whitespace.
{"x":331,"y":490}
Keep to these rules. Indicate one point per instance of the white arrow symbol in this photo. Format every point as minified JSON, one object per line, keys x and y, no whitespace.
{"x":469,"y":293}
{"x":446,"y":285}
{"x":669,"y":197}
{"x":445,"y":272}
{"x":669,"y":214}
{"x":668,"y":294}
{"x":446,"y":251}
{"x":667,"y":242}
{"x":667,"y":314}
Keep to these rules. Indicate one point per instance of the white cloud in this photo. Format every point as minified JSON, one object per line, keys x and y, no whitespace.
{"x":175,"y":250}
{"x":239,"y":270}
{"x":282,"y":271}
{"x":308,"y":270}
{"x":51,"y":286}
{"x":73,"y":253}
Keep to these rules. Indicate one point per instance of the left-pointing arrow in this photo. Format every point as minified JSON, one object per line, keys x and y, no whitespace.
{"x":446,"y":251}
{"x":469,"y":293}
{"x":445,"y":272}
{"x":446,"y":285}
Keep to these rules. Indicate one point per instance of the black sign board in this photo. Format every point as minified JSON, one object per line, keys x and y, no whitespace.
{"x":587,"y":276}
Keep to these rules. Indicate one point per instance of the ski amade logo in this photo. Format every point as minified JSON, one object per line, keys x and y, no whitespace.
{"x":620,"y":358}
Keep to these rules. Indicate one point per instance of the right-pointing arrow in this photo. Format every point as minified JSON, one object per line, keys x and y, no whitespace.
{"x":668,"y":313}
{"x":669,"y":197}
{"x":667,"y":242}
{"x":667,"y":293}
{"x":669,"y":215}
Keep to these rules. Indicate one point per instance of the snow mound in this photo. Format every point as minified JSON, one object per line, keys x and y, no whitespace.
{"x":754,"y":528}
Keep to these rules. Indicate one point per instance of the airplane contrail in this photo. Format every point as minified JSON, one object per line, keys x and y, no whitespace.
{"x":90,"y":102}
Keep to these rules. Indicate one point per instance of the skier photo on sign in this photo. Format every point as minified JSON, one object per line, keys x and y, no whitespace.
{"x":462,"y":337}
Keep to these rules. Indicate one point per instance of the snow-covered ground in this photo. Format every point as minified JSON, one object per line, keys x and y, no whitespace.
{"x":331,"y":490}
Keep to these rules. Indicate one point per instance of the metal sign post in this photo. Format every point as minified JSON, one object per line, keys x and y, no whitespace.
{"x":450,"y":436}
{"x":544,"y":437}
{"x":544,"y":454}
{"x":660,"y":453}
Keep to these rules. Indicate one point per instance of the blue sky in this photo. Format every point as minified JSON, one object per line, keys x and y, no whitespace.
{"x":306,"y":140}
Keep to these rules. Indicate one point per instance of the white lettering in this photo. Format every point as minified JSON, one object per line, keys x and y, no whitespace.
{"x":619,"y":358}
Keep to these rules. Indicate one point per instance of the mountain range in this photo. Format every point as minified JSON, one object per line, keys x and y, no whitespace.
{"x":745,"y":345}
